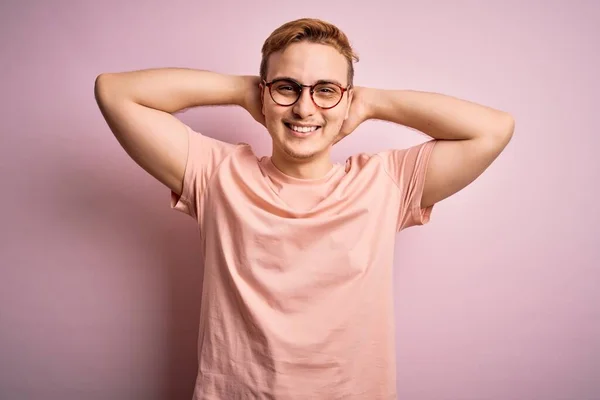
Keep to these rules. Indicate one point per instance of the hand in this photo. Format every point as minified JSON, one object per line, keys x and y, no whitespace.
{"x":357,"y":114}
{"x":252,"y":98}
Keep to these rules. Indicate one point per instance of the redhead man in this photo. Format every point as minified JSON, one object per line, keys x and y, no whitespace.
{"x":298,"y":251}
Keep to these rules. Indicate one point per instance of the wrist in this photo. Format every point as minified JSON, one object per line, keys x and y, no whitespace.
{"x":245,"y":87}
{"x":369,"y":98}
{"x":386,"y":105}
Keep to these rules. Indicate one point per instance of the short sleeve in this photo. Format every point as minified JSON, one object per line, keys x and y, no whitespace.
{"x":204,"y":157}
{"x":407,"y":168}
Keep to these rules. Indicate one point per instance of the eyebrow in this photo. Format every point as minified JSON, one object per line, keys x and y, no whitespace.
{"x":316,"y":83}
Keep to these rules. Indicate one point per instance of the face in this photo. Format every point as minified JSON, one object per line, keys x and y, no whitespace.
{"x":292,"y":128}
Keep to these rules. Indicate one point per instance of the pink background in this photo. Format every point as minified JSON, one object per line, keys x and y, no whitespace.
{"x":497,"y":299}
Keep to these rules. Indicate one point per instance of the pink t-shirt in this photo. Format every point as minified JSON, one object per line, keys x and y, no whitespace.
{"x":297,"y":296}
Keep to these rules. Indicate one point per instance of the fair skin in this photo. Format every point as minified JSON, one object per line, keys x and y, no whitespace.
{"x":470,"y":136}
{"x":305,"y":156}
{"x":138,"y":108}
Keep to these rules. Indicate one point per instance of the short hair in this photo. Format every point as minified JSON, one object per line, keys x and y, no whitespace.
{"x":309,"y":30}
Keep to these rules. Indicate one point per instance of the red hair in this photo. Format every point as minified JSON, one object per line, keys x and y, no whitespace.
{"x":309,"y":30}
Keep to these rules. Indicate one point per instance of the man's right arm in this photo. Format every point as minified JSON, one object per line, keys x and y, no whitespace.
{"x":138,"y":108}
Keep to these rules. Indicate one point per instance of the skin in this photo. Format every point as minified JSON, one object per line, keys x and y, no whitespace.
{"x":307,"y":63}
{"x":469,"y":136}
{"x":138,"y":107}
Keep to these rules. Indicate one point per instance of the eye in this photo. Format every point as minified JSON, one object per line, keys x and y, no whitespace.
{"x":326,"y":90}
{"x":286,"y":88}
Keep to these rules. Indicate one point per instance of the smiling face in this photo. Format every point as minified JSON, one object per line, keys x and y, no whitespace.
{"x":303,"y":131}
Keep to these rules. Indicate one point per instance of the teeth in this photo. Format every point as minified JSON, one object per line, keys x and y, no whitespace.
{"x":303,"y":129}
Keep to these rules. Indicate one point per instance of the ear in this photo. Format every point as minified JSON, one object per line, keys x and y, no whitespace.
{"x":261,"y":87}
{"x":350,"y":97}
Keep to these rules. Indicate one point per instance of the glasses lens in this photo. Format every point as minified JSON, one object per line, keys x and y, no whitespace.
{"x":327,"y":95}
{"x":285,"y":92}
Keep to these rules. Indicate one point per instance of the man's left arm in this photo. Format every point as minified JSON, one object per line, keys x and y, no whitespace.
{"x":470,"y":136}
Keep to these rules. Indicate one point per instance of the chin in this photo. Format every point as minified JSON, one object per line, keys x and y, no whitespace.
{"x":301,"y":146}
{"x":305,"y":149}
{"x":298,"y":154}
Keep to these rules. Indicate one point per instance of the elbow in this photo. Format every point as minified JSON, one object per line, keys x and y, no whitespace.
{"x":103,"y":77}
{"x":100,"y":80}
{"x":505,"y":128}
{"x":99,"y":86}
{"x":104,"y":87}
{"x":510,"y":124}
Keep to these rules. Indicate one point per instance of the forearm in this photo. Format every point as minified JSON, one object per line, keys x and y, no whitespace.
{"x":173,"y":89}
{"x":437,"y":115}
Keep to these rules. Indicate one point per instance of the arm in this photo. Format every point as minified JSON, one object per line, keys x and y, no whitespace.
{"x":470,"y":136}
{"x":137,"y":107}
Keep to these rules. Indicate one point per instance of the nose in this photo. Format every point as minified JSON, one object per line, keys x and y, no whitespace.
{"x":304,"y":107}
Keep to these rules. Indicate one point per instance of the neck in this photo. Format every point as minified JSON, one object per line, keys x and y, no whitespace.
{"x":314,"y":167}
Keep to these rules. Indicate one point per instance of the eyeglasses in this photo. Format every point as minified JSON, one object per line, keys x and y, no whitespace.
{"x":286,"y":92}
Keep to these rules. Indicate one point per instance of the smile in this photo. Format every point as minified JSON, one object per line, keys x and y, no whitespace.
{"x":302,"y":131}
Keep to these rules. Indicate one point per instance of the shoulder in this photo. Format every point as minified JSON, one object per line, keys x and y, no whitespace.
{"x":366,"y":166}
{"x":391,"y":163}
{"x":361,"y":161}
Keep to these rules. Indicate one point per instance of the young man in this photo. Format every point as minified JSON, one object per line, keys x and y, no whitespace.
{"x":297,"y":297}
